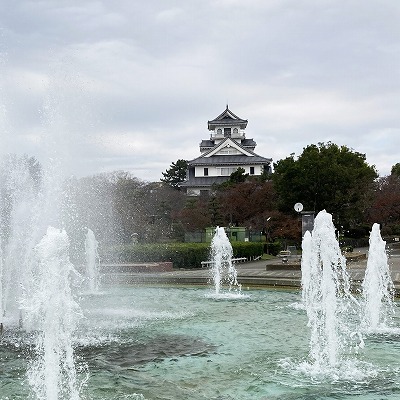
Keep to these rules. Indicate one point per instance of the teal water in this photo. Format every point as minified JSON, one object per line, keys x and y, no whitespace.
{"x":182,"y":343}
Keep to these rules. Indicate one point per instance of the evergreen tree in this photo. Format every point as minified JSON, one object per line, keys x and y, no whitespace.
{"x":175,"y":174}
{"x":396,"y":170}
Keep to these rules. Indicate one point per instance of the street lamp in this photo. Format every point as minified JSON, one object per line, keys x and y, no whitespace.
{"x":266,"y":231}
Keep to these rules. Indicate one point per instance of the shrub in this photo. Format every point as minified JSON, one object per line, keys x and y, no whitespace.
{"x":182,"y":255}
{"x":247,"y":249}
{"x":273,"y":248}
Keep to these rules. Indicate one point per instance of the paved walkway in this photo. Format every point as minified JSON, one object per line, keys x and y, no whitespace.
{"x":259,"y":273}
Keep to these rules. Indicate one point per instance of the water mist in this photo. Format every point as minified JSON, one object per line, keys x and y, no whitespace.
{"x":377,"y":286}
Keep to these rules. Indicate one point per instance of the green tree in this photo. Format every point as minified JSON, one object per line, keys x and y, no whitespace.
{"x":238,"y":176}
{"x":175,"y":174}
{"x":326,"y":176}
{"x":396,"y":170}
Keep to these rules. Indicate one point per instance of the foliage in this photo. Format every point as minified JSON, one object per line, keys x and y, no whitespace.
{"x":90,"y":205}
{"x":273,"y":248}
{"x":120,"y":208}
{"x":396,"y":170}
{"x":385,"y":208}
{"x":214,"y":208}
{"x":195,"y":214}
{"x":238,"y":176}
{"x":247,"y":249}
{"x":326,"y":176}
{"x":247,"y":204}
{"x":251,"y":204}
{"x":182,"y":255}
{"x":175,"y":174}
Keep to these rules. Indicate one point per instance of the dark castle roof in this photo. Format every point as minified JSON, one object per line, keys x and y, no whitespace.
{"x":204,"y":181}
{"x":227,"y":118}
{"x":229,"y":160}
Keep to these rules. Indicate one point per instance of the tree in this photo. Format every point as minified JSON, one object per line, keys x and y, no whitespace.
{"x":175,"y":174}
{"x":238,"y":176}
{"x":396,"y":170}
{"x":195,"y":215}
{"x":385,"y":208}
{"x":326,"y":176}
{"x":244,"y":204}
{"x":119,"y":207}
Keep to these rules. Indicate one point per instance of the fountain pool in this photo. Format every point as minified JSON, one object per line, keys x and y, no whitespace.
{"x":138,"y":342}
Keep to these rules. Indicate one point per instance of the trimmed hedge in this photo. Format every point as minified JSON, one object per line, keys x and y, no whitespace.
{"x":247,"y":249}
{"x":273,"y":248}
{"x":182,"y":255}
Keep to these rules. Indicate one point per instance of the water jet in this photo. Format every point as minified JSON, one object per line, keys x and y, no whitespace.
{"x":377,"y":286}
{"x":222,"y":267}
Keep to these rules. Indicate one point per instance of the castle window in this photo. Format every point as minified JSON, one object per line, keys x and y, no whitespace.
{"x":235,"y":131}
{"x":205,"y":171}
{"x":219,"y":131}
{"x":227,"y":132}
{"x":251,"y":170}
{"x":226,"y":171}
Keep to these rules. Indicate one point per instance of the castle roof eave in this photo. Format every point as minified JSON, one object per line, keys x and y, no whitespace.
{"x":229,"y":160}
{"x":227,"y":118}
{"x":203,"y":182}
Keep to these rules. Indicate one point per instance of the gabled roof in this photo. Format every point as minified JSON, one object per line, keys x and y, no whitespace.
{"x":247,"y":157}
{"x":228,"y":142}
{"x":227,"y":118}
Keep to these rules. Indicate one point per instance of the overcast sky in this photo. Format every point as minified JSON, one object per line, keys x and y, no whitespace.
{"x":130,"y":84}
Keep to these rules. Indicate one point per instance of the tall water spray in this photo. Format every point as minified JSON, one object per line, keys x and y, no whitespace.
{"x":326,"y":295}
{"x":31,"y":199}
{"x":1,"y":286}
{"x":53,"y":313}
{"x":223,"y":269}
{"x":377,"y":286}
{"x":19,"y":224}
{"x":92,"y":261}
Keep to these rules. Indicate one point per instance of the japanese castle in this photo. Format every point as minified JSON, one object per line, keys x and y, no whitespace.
{"x":224,"y":152}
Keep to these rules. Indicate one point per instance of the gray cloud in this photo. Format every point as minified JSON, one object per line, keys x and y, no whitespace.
{"x":130,"y":85}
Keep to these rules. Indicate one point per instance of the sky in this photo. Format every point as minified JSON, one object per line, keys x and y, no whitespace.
{"x":129,"y":85}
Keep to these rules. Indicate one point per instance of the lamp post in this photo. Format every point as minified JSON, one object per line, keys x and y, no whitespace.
{"x":266,"y":232}
{"x":307,"y":218}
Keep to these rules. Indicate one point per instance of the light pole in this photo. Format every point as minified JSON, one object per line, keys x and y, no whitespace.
{"x":266,"y":232}
{"x":307,"y":218}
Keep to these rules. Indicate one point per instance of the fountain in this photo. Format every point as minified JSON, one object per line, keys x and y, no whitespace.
{"x":52,"y":312}
{"x":37,"y":305}
{"x":148,"y":342}
{"x":377,"y":286}
{"x":1,"y":288}
{"x":18,"y":228}
{"x":141,"y":342}
{"x":327,"y":299}
{"x":92,"y":262}
{"x":222,"y":268}
{"x":38,"y":308}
